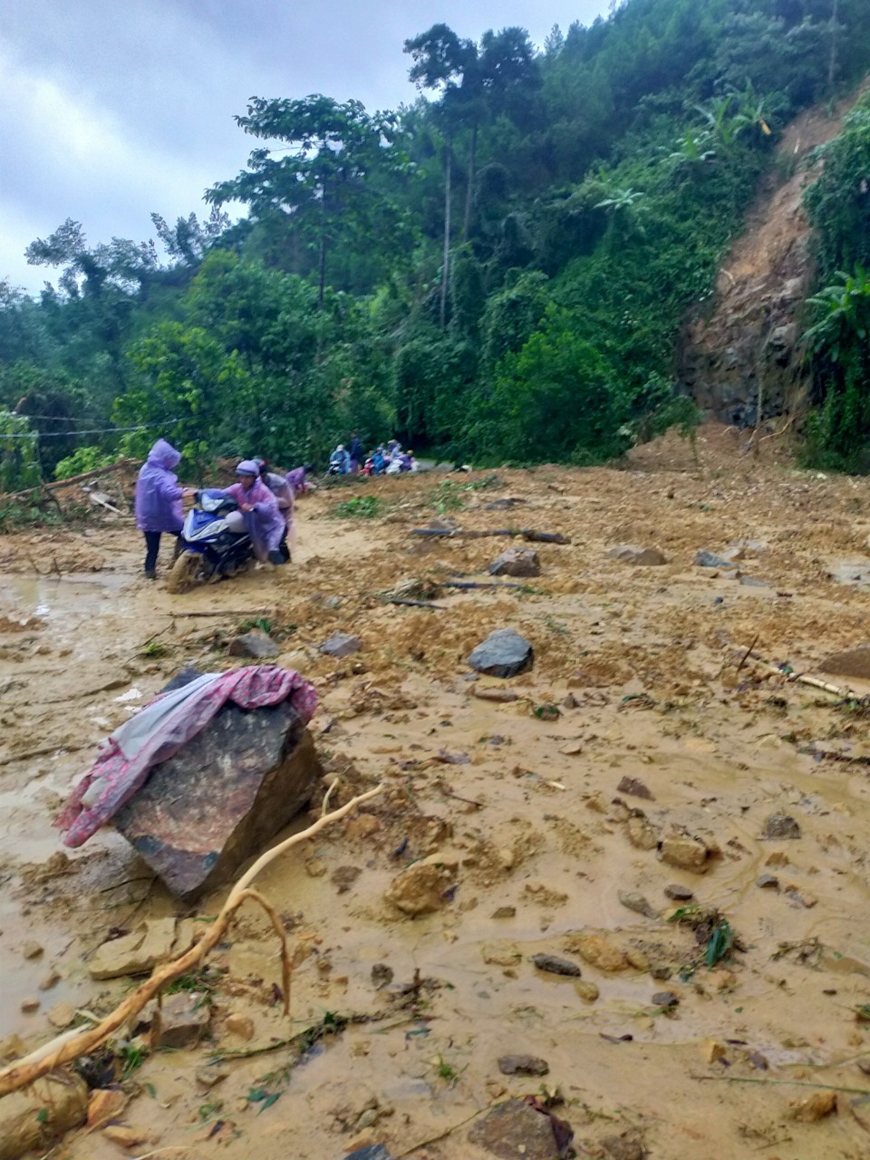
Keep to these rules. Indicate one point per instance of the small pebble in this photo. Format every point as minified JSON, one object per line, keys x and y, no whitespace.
{"x":553,"y":965}
{"x":768,"y":882}
{"x":29,"y":1005}
{"x":679,"y":893}
{"x":665,"y":999}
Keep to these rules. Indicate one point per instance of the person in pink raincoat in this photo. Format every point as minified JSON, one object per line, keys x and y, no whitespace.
{"x":265,"y":522}
{"x":158,"y":500}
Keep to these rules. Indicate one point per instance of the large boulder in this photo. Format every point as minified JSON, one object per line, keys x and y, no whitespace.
{"x":34,"y":1117}
{"x":222,"y":797}
{"x":639,"y":557}
{"x":516,"y":562}
{"x":504,"y":653}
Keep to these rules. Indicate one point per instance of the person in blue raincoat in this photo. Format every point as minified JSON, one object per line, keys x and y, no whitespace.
{"x":158,"y":500}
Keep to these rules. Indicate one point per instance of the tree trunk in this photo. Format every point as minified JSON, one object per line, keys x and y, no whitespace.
{"x":445,"y":270}
{"x":469,"y":189}
{"x":832,"y":63}
{"x":322,"y":279}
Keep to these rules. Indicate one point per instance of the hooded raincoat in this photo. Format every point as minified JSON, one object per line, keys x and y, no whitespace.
{"x":266,"y":524}
{"x":158,"y":496}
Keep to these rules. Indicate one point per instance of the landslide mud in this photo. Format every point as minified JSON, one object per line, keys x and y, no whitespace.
{"x":635,"y":676}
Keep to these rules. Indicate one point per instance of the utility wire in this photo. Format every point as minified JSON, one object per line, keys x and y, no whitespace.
{"x":95,"y":431}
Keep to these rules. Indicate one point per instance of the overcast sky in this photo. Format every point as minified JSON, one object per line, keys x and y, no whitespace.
{"x":110,"y":109}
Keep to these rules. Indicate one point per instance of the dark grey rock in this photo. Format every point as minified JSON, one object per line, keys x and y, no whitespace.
{"x":222,"y":797}
{"x":665,"y":999}
{"x":370,"y":1152}
{"x":679,"y":893}
{"x":768,"y":882}
{"x":382,"y":975}
{"x":523,"y":1065}
{"x":514,"y":1129}
{"x":256,"y":644}
{"x":639,"y":557}
{"x":341,"y":644}
{"x":781,"y":826}
{"x":504,"y":653}
{"x":553,"y":965}
{"x":709,"y":560}
{"x":181,"y":1020}
{"x":635,"y":787}
{"x":516,"y":562}
{"x":502,"y":505}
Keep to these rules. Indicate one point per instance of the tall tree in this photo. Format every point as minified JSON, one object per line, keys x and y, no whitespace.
{"x":321,"y":180}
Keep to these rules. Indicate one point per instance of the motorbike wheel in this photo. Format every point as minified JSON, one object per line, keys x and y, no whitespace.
{"x":189,"y":569}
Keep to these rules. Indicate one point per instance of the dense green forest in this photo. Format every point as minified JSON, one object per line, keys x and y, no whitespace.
{"x":498,"y":272}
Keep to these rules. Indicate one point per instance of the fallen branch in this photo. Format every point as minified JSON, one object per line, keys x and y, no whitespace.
{"x":803,"y":678}
{"x":469,"y":584}
{"x":246,"y":612}
{"x":826,"y":1087}
{"x":65,"y":1049}
{"x":121,"y":465}
{"x":525,"y":533}
{"x":440,"y":1135}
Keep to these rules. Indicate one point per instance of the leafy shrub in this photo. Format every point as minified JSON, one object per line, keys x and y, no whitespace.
{"x":82,"y":459}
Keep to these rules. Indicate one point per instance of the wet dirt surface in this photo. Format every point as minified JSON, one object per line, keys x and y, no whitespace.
{"x":637,"y":675}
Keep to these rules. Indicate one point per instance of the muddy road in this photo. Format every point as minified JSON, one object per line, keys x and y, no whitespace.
{"x":638,"y":756}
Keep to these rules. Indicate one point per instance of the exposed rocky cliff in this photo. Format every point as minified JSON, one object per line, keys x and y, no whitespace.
{"x":741,"y":348}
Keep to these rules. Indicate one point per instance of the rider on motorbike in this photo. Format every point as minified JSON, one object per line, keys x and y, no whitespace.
{"x":265,"y":522}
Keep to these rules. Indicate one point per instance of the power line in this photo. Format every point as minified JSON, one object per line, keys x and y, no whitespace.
{"x":95,"y":431}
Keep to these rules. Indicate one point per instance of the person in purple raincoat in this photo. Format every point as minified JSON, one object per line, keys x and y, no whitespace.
{"x":266,"y":524}
{"x":158,"y":500}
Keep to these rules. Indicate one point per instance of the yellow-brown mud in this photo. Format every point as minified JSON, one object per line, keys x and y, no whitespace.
{"x":642,"y":665}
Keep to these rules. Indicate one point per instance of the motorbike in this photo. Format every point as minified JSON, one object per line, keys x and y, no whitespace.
{"x":214,"y":543}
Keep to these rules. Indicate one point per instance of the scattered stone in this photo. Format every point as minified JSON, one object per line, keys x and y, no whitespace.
{"x":370,"y":1152}
{"x":363,"y":826}
{"x":344,"y":877}
{"x":854,"y":662}
{"x":315,"y":868}
{"x":181,"y":1021}
{"x":713,"y":1050}
{"x":222,"y":797}
{"x":781,"y":826}
{"x":678,"y":893}
{"x":599,"y":950}
{"x":523,"y":1065}
{"x":499,"y":505}
{"x":814,"y":1107}
{"x":421,"y":889}
{"x":586,"y":990}
{"x":51,"y":979}
{"x":498,"y":696}
{"x":801,"y":898}
{"x":635,"y":787}
{"x":502,"y":954}
{"x":768,"y":882}
{"x":623,"y":1147}
{"x":864,"y":1064}
{"x":572,"y":749}
{"x":237,"y":1023}
{"x":516,"y":562}
{"x":505,"y":912}
{"x":12,"y":1047}
{"x":705,"y":559}
{"x":752,"y":582}
{"x":515,"y":1129}
{"x":641,"y":832}
{"x":61,"y":1015}
{"x":639,"y":557}
{"x":665,"y":999}
{"x":104,"y":1104}
{"x":256,"y":644}
{"x":504,"y":653}
{"x":777,"y":859}
{"x":686,"y":853}
{"x":662,"y":973}
{"x":29,"y":1005}
{"x":123,"y":1137}
{"x":553,"y":965}
{"x":382,"y":975}
{"x":38,"y":1114}
{"x":341,"y":644}
{"x":137,"y":953}
{"x":637,"y":903}
{"x":211,"y":1074}
{"x":32,"y":950}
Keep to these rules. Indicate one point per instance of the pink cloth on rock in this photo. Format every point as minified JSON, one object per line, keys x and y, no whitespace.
{"x":252,"y":687}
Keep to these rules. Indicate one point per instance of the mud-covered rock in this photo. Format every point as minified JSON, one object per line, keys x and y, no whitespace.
{"x":523,"y":1065}
{"x":854,"y":662}
{"x":181,"y":1020}
{"x":34,"y":1117}
{"x":678,"y":893}
{"x":636,"y":902}
{"x":814,"y":1107}
{"x":554,"y":965}
{"x":638,"y":557}
{"x":625,"y":1147}
{"x":504,"y":653}
{"x":641,"y":832}
{"x":341,"y":644}
{"x":686,"y":852}
{"x":421,"y":889}
{"x":516,"y":562}
{"x":704,"y":559}
{"x":780,"y":826}
{"x":222,"y":797}
{"x":256,"y":644}
{"x":137,"y":953}
{"x":635,"y":788}
{"x":514,"y":1129}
